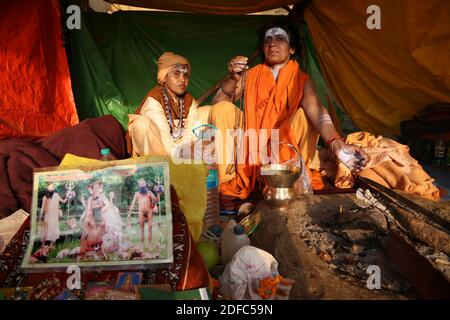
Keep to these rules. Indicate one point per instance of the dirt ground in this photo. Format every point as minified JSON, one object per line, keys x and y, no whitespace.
{"x":279,"y":234}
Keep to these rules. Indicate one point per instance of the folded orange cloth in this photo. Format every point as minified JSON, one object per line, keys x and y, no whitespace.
{"x":390,"y":165}
{"x":316,"y":180}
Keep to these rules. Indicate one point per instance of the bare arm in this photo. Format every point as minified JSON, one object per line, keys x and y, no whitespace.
{"x":153,"y":197}
{"x":61,"y":199}
{"x":231,"y":88}
{"x":321,"y":120}
{"x":230,"y":91}
{"x":314,"y":110}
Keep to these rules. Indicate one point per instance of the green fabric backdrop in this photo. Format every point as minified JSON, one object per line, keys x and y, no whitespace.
{"x":113,"y":57}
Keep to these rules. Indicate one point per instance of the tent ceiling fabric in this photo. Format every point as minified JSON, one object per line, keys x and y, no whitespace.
{"x":382,"y":77}
{"x":209,"y":6}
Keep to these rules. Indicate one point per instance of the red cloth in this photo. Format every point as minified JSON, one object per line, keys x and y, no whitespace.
{"x":18,"y":157}
{"x":35,"y":89}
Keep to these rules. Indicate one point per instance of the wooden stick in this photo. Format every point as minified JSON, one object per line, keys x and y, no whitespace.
{"x":421,"y":229}
{"x":219,"y":83}
{"x":427,"y":280}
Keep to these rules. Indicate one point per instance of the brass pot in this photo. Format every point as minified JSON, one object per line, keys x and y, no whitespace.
{"x":279,"y":180}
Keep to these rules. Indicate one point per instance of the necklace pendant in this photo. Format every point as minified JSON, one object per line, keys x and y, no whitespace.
{"x":176,"y":133}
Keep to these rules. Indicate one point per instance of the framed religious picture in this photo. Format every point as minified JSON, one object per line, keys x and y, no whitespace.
{"x":117,"y":216}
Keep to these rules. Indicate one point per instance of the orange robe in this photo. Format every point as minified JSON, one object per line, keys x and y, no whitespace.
{"x":272,"y":104}
{"x":390,"y":165}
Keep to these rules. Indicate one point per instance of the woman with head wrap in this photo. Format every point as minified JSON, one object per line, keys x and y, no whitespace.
{"x":166,"y":117}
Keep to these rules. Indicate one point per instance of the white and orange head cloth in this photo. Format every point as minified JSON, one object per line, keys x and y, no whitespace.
{"x":166,"y":61}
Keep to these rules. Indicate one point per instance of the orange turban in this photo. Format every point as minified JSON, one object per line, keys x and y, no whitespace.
{"x":167,"y":60}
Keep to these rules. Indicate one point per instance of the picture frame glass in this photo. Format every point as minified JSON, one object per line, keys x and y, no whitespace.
{"x":117,"y":217}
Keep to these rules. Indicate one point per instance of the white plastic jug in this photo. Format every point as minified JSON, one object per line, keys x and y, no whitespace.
{"x":233,"y":238}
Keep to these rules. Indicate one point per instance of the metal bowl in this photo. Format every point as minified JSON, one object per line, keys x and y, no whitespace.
{"x":280,"y":175}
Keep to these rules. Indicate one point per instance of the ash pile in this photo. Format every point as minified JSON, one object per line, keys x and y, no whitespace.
{"x":356,"y":236}
{"x":438,"y":259}
{"x":351,"y":236}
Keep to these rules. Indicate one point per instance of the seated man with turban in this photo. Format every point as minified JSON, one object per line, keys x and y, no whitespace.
{"x":166,"y":117}
{"x":277,"y":98}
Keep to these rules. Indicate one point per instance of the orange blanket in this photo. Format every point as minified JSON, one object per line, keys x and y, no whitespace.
{"x":390,"y":165}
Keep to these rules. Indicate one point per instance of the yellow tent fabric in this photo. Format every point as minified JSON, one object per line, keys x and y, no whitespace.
{"x":382,"y":77}
{"x":209,"y":6}
{"x":189,"y":181}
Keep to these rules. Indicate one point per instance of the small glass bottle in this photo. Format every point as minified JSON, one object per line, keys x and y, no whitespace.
{"x":205,"y":135}
{"x":447,"y":156}
{"x":427,"y":157}
{"x":106,"y":155}
{"x":439,"y":153}
{"x":212,"y":197}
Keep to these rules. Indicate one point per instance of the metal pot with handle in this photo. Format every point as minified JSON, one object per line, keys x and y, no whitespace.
{"x":280,"y":179}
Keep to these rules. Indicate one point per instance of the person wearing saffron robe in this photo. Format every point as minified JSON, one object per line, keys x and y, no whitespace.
{"x":51,"y":212}
{"x":276,"y":94}
{"x":166,"y":117}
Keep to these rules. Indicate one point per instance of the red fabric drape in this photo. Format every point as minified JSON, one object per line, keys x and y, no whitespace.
{"x":35,"y":89}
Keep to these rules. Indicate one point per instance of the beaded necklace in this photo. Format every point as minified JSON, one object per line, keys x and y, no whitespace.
{"x":175,"y":131}
{"x":239,"y":124}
